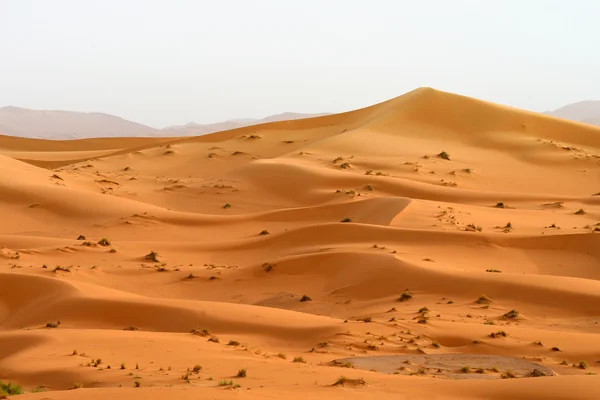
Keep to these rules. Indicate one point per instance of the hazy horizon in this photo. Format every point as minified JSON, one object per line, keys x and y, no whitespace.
{"x":163,"y":64}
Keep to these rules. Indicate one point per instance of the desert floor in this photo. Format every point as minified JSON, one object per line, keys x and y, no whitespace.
{"x":160,"y":268}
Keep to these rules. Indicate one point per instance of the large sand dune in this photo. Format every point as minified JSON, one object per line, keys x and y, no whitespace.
{"x":279,"y":248}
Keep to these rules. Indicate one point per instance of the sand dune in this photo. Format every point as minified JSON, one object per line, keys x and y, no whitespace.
{"x":430,"y":224}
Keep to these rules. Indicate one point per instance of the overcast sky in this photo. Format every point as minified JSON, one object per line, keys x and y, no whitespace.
{"x":171,"y":62}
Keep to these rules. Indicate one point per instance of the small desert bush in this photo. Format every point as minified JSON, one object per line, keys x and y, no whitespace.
{"x":369,"y":188}
{"x":227,"y":205}
{"x":346,"y":220}
{"x":344,"y":381}
{"x":63,"y":269}
{"x":9,"y":389}
{"x":466,"y":369}
{"x":405,"y":296}
{"x":299,"y":360}
{"x":81,"y":237}
{"x":131,"y":328}
{"x":443,"y":155}
{"x":137,"y":384}
{"x":512,"y":314}
{"x":305,"y":298}
{"x":508,"y":375}
{"x":483,"y":300}
{"x":77,"y":385}
{"x":233,"y":343}
{"x":581,"y":211}
{"x":345,"y":165}
{"x":104,"y":242}
{"x":241,"y":373}
{"x":500,"y":205}
{"x":365,"y":319}
{"x":152,"y":256}
{"x":473,"y":227}
{"x":264,"y":232}
{"x":493,"y":270}
{"x":498,"y":334}
{"x":51,"y":325}
{"x":197,"y":368}
{"x":555,"y":349}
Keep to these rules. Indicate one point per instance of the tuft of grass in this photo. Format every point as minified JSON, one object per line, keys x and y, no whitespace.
{"x":305,"y":298}
{"x":299,"y":360}
{"x":264,"y":232}
{"x":405,"y":296}
{"x":346,"y":220}
{"x":436,"y":345}
{"x":423,"y":310}
{"x":337,"y":159}
{"x":508,"y":375}
{"x":345,"y":165}
{"x":213,"y":339}
{"x":233,"y":343}
{"x":268,"y":267}
{"x":507,"y":228}
{"x":104,"y":242}
{"x":152,"y":256}
{"x":498,"y":334}
{"x":555,"y":349}
{"x":122,"y":365}
{"x":55,"y":176}
{"x":443,"y":155}
{"x":241,"y":373}
{"x":131,"y":328}
{"x":473,"y":227}
{"x":77,"y":385}
{"x":80,"y":237}
{"x":227,"y":205}
{"x":365,"y":319}
{"x":493,"y":270}
{"x":137,"y":384}
{"x":500,"y":204}
{"x":581,"y":211}
{"x":582,"y":364}
{"x":495,"y":369}
{"x":63,"y":269}
{"x":200,"y":332}
{"x":512,"y":314}
{"x":344,"y":381}
{"x":51,"y":325}
{"x":197,"y":368}
{"x":480,"y":371}
{"x":483,"y":300}
{"x":466,"y":369}
{"x":225,"y":383}
{"x":282,"y":356}
{"x":369,"y":188}
{"x":9,"y":389}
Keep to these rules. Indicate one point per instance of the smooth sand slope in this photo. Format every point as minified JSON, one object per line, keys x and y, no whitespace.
{"x":256,"y":263}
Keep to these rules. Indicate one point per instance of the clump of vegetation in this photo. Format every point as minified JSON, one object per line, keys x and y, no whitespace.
{"x":268,"y":267}
{"x":345,"y":165}
{"x":508,"y":375}
{"x":466,"y":369}
{"x":512,"y":314}
{"x":582,"y":365}
{"x":443,"y":155}
{"x":55,"y":176}
{"x":131,"y":328}
{"x":152,"y":256}
{"x":137,"y":384}
{"x":63,"y":269}
{"x":77,"y":385}
{"x":200,"y":332}
{"x":346,"y":220}
{"x":473,"y":228}
{"x":555,"y":349}
{"x":507,"y":228}
{"x":122,"y":365}
{"x":282,"y":356}
{"x":9,"y":389}
{"x":233,"y":343}
{"x":104,"y":242}
{"x":305,"y":298}
{"x":197,"y":368}
{"x":241,"y":373}
{"x":405,"y":296}
{"x":498,"y":334}
{"x":500,"y":204}
{"x":353,"y":382}
{"x":213,"y":339}
{"x":581,"y":211}
{"x":51,"y":325}
{"x":264,"y":232}
{"x":435,"y":345}
{"x":365,"y":319}
{"x":369,"y":188}
{"x":337,"y":159}
{"x":299,"y":360}
{"x":80,"y":237}
{"x":227,"y":205}
{"x":493,"y":270}
{"x":343,"y":364}
{"x":480,"y":371}
{"x":483,"y":300}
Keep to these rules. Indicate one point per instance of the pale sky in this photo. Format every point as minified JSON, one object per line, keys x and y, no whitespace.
{"x":174,"y":61}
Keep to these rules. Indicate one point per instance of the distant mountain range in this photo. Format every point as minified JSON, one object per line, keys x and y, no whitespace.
{"x":584,"y":111}
{"x":52,"y":124}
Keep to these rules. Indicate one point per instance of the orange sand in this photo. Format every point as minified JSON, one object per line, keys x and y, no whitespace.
{"x":297,"y":180}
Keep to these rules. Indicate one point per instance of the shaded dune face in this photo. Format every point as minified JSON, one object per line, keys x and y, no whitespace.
{"x":425,"y":228}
